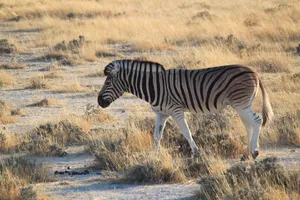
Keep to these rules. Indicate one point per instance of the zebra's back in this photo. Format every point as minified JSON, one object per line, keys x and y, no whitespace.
{"x":211,"y":89}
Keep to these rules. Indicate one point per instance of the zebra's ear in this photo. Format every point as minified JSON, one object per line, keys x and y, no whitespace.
{"x":106,"y":71}
{"x":112,"y":69}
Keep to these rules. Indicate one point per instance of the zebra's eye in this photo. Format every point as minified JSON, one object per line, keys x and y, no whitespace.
{"x":108,"y":81}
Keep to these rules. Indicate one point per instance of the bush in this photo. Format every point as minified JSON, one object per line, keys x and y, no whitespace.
{"x":16,"y":174}
{"x":6,"y":79}
{"x":51,"y":138}
{"x":288,"y":128}
{"x":12,"y":66}
{"x":130,"y":151}
{"x":250,"y":181}
{"x":6,"y":113}
{"x":211,"y":134}
{"x":159,"y":168}
{"x":6,"y":47}
{"x":8,"y":142}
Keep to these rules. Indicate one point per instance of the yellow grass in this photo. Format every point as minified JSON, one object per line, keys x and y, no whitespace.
{"x":8,"y":141}
{"x":76,"y":87}
{"x":7,"y":119}
{"x":39,"y":83}
{"x":12,"y":66}
{"x":179,"y":34}
{"x":5,"y":114}
{"x":156,"y":25}
{"x":53,"y":75}
{"x":16,"y":175}
{"x":47,"y":102}
{"x":6,"y":79}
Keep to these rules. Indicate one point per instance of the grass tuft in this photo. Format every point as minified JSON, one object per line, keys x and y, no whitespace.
{"x":6,"y":79}
{"x":76,"y":87}
{"x":12,"y":66}
{"x":45,"y":103}
{"x":6,"y":116}
{"x":16,"y":173}
{"x":8,"y":142}
{"x":288,"y":128}
{"x":95,"y":115}
{"x":156,"y":168}
{"x":250,"y":181}
{"x":6,"y":46}
{"x":39,"y":83}
{"x":52,"y":138}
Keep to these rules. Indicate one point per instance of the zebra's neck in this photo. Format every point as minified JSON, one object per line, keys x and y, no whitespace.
{"x":145,"y":81}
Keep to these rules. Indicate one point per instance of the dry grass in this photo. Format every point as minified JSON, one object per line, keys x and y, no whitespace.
{"x":39,"y":83}
{"x":150,"y":27}
{"x":6,"y":46}
{"x":53,"y":75}
{"x":156,"y":168}
{"x":96,"y":73}
{"x":178,"y":34}
{"x":6,"y":79}
{"x":213,"y":133}
{"x":52,"y":138}
{"x":12,"y":66}
{"x":8,"y":142}
{"x":60,"y":57}
{"x":6,"y":116}
{"x":15,"y":176}
{"x":8,"y":119}
{"x":52,"y":68}
{"x":46,"y":103}
{"x":132,"y":156}
{"x":105,"y":53}
{"x":75,"y":87}
{"x":95,"y":115}
{"x":262,"y":179}
{"x":288,"y":128}
{"x":130,"y":151}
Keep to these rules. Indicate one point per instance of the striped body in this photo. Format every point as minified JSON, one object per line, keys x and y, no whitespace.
{"x":210,"y":90}
{"x":171,"y":92}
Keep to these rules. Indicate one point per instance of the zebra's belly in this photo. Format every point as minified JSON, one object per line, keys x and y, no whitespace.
{"x":205,"y":111}
{"x":170,"y":109}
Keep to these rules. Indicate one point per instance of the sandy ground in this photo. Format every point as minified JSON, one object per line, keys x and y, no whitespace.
{"x":102,"y":184}
{"x":95,"y":185}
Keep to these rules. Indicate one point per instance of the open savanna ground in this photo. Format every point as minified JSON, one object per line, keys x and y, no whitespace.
{"x":56,"y":143}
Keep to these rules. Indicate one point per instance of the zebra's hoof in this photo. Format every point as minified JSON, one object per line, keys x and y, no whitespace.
{"x":255,"y":153}
{"x":244,"y":157}
{"x":197,"y":155}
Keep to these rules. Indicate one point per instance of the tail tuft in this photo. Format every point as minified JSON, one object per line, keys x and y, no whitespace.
{"x":267,"y":111}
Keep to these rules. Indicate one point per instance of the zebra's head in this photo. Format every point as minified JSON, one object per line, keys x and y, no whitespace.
{"x":112,"y":88}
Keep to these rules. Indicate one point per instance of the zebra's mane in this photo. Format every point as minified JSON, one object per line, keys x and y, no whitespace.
{"x":116,"y":65}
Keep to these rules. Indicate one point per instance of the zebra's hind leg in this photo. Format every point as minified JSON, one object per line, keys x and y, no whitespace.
{"x":181,"y":122}
{"x":249,"y":128}
{"x":159,"y":128}
{"x":252,"y":123}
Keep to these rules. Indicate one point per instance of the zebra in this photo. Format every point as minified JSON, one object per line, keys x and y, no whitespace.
{"x":175,"y":91}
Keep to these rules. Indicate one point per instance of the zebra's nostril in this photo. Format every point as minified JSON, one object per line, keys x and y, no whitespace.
{"x":102,"y":102}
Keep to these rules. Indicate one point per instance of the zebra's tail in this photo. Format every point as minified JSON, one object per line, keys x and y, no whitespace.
{"x":267,"y":111}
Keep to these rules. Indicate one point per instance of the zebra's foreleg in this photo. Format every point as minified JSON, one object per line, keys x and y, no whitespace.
{"x":159,"y":128}
{"x":181,"y":122}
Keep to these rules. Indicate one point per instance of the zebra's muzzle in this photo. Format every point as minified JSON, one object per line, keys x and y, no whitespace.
{"x":102,"y":102}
